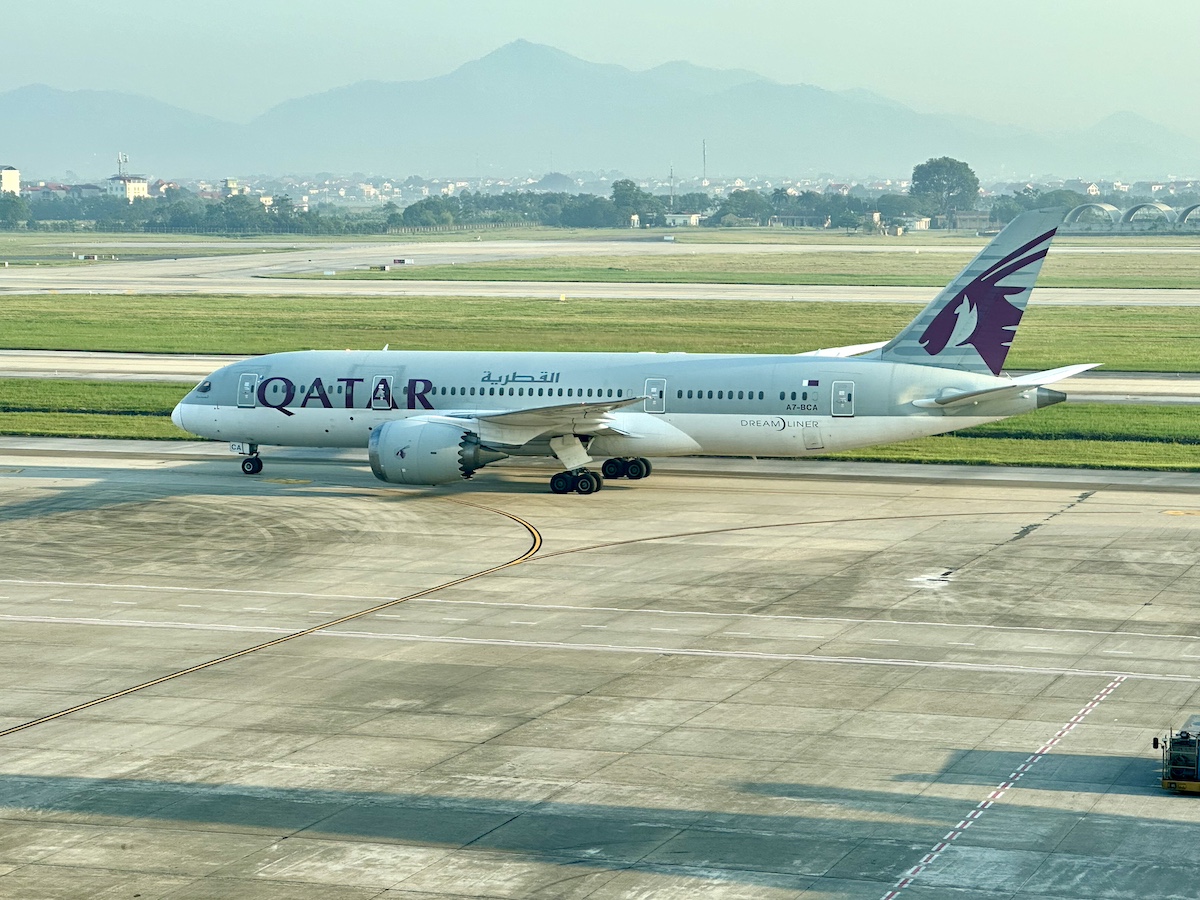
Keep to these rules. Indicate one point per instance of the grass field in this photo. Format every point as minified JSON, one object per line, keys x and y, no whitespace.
{"x":1162,"y":339}
{"x":902,"y":267}
{"x":1078,"y":435}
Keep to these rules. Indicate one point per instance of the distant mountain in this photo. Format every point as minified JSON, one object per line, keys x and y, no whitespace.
{"x":47,"y":131}
{"x":531,"y":108}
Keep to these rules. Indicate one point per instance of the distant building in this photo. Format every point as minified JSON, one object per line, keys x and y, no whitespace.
{"x":45,"y":190}
{"x":10,"y":180}
{"x":684,"y":219}
{"x":131,"y":187}
{"x":87,"y":191}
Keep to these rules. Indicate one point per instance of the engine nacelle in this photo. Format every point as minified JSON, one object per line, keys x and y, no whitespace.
{"x":418,"y":451}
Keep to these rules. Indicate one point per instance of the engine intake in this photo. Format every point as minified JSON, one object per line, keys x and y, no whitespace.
{"x":418,"y":451}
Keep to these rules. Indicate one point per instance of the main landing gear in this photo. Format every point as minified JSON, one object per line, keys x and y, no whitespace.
{"x":633,"y":469}
{"x":583,"y":481}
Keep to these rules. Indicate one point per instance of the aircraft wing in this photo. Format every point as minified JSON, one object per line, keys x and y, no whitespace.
{"x":519,"y":426}
{"x":1013,"y":387}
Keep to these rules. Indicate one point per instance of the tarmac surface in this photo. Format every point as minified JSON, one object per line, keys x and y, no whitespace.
{"x":735,"y":679}
{"x":245,"y":274}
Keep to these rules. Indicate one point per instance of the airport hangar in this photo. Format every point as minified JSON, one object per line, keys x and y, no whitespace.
{"x":739,"y":679}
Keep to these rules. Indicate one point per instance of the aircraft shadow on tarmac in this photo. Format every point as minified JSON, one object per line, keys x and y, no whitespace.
{"x":842,"y":834}
{"x":221,"y":479}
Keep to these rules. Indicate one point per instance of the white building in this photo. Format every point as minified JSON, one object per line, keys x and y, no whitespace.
{"x":10,"y":180}
{"x":131,"y":187}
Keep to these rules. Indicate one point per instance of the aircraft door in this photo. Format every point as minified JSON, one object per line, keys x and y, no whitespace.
{"x":656,"y":395}
{"x":247,"y":389}
{"x":843,"y":398}
{"x":381,"y":392}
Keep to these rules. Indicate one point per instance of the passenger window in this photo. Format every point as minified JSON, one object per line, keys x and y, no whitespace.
{"x":740,"y":395}
{"x":720,"y":395}
{"x":589,"y":392}
{"x":452,"y":391}
{"x":804,"y":396}
{"x":760,"y":395}
{"x":689,"y":395}
{"x":793,"y":395}
{"x":782,"y":395}
{"x":610,"y":392}
{"x":710,"y":395}
{"x":339,"y":388}
{"x":619,"y":392}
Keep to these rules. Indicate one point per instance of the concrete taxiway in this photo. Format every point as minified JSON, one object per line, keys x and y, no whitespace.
{"x":248,"y":274}
{"x":734,"y":679}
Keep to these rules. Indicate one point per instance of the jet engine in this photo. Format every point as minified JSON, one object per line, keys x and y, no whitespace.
{"x":418,"y":451}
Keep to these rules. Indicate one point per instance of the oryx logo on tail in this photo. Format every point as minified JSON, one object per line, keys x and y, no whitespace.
{"x":981,"y":314}
{"x":971,"y":323}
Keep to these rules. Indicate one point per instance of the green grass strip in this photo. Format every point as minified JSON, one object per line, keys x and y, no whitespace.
{"x":1159,"y":339}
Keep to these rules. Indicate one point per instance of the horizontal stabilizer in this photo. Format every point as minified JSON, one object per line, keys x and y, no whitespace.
{"x":849,"y":350}
{"x":1010,"y":388}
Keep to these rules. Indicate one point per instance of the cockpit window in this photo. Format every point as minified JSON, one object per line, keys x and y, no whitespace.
{"x":204,"y":387}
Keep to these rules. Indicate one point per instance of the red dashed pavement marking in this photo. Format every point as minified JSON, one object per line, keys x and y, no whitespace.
{"x":1001,"y":789}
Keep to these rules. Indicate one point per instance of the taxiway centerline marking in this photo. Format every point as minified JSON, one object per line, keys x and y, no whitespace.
{"x":974,"y":815}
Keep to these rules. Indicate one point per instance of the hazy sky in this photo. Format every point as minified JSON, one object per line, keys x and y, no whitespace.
{"x":1040,"y":63}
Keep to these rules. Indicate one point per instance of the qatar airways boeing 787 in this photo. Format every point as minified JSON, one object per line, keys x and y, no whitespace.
{"x":435,"y":417}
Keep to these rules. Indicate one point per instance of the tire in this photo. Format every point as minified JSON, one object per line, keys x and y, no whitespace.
{"x":646,"y":465}
{"x":635,"y":470}
{"x":562,"y":483}
{"x":614,"y":468}
{"x":251,"y":465}
{"x":587,"y":483}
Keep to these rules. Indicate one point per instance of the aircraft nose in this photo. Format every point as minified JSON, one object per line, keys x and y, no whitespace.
{"x":177,"y":416}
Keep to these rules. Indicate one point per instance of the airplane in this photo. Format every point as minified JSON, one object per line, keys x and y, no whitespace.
{"x":438,"y":417}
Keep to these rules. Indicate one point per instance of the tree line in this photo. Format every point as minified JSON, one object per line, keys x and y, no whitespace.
{"x":942,"y":186}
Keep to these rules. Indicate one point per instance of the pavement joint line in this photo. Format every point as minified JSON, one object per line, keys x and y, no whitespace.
{"x":534,"y":547}
{"x":621,"y":609}
{"x":322,"y":630}
{"x":973,"y":816}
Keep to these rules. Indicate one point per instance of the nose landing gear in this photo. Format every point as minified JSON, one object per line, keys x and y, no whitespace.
{"x":252,"y":465}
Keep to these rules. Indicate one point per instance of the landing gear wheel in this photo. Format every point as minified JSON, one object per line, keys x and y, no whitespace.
{"x":252,"y":465}
{"x":562,"y":483}
{"x":614,"y":468}
{"x":637,"y":469}
{"x":588,"y":483}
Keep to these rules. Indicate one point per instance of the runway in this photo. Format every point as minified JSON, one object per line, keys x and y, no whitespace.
{"x":734,"y":679}
{"x":1091,"y":387}
{"x":246,"y":274}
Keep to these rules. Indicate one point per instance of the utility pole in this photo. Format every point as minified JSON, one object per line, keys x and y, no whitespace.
{"x":704,"y":164}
